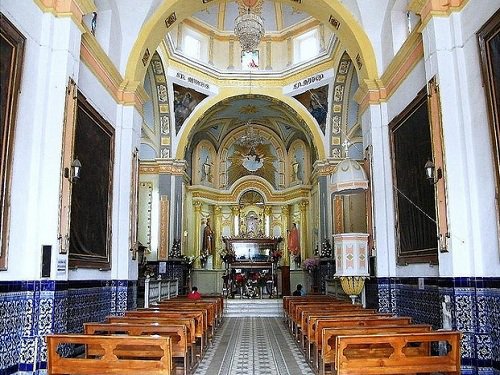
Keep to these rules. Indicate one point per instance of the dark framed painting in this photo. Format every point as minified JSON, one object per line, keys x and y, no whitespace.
{"x":11,"y":63}
{"x":91,"y":196}
{"x":489,"y":45}
{"x":415,"y":204}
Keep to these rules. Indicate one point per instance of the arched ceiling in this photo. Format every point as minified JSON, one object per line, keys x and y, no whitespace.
{"x":234,"y":112}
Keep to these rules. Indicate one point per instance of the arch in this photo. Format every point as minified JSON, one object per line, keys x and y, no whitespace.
{"x":274,"y":93}
{"x":331,"y":12}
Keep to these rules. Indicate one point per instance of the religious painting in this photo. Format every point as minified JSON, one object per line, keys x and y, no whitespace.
{"x":185,"y":100}
{"x":489,"y":44}
{"x":91,"y":197}
{"x":250,"y":60}
{"x":258,"y":160}
{"x":11,"y":58}
{"x":415,"y":203}
{"x":316,"y":102}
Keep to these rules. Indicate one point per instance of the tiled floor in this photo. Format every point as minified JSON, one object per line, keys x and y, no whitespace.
{"x":253,"y":346}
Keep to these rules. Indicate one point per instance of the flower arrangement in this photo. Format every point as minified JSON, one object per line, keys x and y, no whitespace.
{"x":310,"y":264}
{"x":240,"y":279}
{"x":276,"y":255}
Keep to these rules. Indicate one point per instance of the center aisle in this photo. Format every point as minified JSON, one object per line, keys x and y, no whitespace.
{"x":253,"y":346}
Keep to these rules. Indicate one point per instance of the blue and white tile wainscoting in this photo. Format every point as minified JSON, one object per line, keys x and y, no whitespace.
{"x":474,"y":307}
{"x":31,"y":309}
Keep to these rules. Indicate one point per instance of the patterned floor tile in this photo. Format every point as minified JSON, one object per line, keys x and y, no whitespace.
{"x":253,"y":346}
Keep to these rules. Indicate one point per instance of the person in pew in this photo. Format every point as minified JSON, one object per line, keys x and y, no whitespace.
{"x":298,"y":291}
{"x":194,"y":294}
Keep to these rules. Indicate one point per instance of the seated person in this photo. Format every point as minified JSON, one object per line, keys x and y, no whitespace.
{"x":298,"y":291}
{"x":194,"y":294}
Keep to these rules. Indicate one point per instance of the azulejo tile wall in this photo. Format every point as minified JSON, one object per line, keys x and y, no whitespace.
{"x":474,"y":309}
{"x":29,"y":310}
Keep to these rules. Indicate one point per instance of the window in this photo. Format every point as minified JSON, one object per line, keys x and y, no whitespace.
{"x":192,"y":46}
{"x":306,"y":46}
{"x":250,"y":60}
{"x":11,"y":56}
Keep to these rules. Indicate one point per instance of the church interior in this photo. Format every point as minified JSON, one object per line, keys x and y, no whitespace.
{"x":244,"y":147}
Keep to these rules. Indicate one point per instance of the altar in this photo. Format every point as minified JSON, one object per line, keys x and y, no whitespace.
{"x":253,"y":269}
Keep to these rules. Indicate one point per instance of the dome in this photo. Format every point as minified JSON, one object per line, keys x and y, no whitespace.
{"x":349,"y":178}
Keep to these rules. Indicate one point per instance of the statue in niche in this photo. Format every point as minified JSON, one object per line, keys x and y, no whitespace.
{"x":295,"y":170}
{"x":206,"y":174}
{"x":208,"y":239}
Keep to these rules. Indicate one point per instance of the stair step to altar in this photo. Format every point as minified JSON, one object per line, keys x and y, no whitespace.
{"x":242,"y":308}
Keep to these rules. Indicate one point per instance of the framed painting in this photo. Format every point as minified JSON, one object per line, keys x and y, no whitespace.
{"x":414,"y":197}
{"x":91,"y":196}
{"x":11,"y":62}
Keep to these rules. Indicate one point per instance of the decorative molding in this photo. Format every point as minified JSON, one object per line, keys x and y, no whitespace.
{"x":123,"y":92}
{"x":431,"y":8}
{"x":75,"y":9}
{"x":166,"y":166}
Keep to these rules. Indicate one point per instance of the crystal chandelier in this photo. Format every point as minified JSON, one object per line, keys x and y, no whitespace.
{"x":249,"y":28}
{"x":251,"y":138}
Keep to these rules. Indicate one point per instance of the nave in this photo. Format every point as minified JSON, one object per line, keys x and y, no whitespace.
{"x":253,"y":346}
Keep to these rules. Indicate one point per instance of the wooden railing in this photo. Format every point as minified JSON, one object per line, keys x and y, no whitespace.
{"x":156,"y":290}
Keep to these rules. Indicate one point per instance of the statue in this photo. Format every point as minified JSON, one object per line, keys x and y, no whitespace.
{"x":208,"y":239}
{"x":293,"y":240}
{"x":207,"y":173}
{"x":295,"y":166}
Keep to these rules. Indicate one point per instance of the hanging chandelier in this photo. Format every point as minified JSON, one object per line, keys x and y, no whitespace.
{"x":249,"y":28}
{"x":251,"y":138}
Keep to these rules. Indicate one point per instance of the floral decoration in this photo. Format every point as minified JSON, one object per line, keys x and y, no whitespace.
{"x":228,"y":256}
{"x":276,"y":255}
{"x":310,"y":264}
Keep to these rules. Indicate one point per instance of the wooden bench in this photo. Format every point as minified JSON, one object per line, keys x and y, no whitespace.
{"x":199,"y":317}
{"x":404,"y":356}
{"x":329,"y":336}
{"x":190,"y":323}
{"x":177,"y":332}
{"x":352,"y":321}
{"x":111,"y":359}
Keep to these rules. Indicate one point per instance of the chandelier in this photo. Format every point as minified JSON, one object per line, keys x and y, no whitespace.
{"x":251,"y":138}
{"x":249,"y":28}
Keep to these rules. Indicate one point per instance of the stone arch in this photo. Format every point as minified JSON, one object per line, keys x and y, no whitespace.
{"x":331,"y":12}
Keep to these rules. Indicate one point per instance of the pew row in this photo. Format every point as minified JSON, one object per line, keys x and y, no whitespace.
{"x":178,"y":333}
{"x":406,"y":354}
{"x":117,"y":355}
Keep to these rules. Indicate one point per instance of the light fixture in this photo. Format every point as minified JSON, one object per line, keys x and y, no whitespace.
{"x":73,"y":173}
{"x":249,"y":28}
{"x":433,"y":175}
{"x":251,"y":138}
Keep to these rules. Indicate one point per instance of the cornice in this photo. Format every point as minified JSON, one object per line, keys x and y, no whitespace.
{"x":124,"y":92}
{"x":435,"y":8}
{"x":163,"y":166}
{"x":272,"y":197}
{"x":403,"y":63}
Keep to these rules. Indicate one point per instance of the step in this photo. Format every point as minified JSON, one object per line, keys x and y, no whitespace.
{"x":253,"y":308}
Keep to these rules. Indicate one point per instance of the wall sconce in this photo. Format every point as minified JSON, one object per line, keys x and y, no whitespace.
{"x":433,"y":175}
{"x":73,"y":174}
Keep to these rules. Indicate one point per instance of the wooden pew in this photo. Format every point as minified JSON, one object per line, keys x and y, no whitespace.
{"x":308,"y":334}
{"x":199,"y":317}
{"x":329,"y":336}
{"x":177,"y":332}
{"x":111,"y":362}
{"x":190,"y":323}
{"x":356,"y":321}
{"x":404,"y":356}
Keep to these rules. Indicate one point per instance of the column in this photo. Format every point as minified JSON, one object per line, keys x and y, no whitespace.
{"x":289,"y":51}
{"x":284,"y":219}
{"x":236,"y":220}
{"x":218,"y":236}
{"x":269,"y":55}
{"x":197,"y":232}
{"x":211,"y":49}
{"x":303,"y":228}
{"x":231,"y":55}
{"x":267,"y":220}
